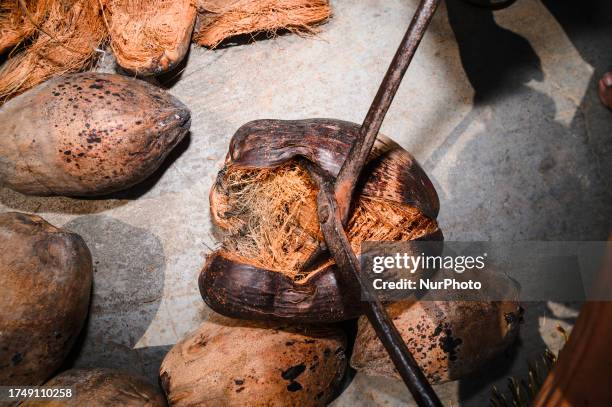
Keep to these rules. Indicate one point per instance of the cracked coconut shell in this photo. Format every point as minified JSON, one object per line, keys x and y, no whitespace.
{"x":229,"y":362}
{"x":102,"y":388}
{"x":87,"y":134}
{"x":264,"y":203}
{"x":45,"y":283}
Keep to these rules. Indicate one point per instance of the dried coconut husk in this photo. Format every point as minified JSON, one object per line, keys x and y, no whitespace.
{"x":222,"y":19}
{"x":64,"y":41}
{"x":265,"y":202}
{"x":149,"y":36}
{"x":15,"y":26}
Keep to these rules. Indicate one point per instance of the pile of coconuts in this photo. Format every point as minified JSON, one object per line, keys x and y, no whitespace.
{"x":45,"y":38}
{"x":278,"y":338}
{"x":80,"y":135}
{"x":45,"y":283}
{"x":264,"y":206}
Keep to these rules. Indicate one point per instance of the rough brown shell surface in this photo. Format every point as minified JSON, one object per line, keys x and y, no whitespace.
{"x":104,"y":388}
{"x":45,"y":283}
{"x":448,"y":339}
{"x":234,"y":363}
{"x":87,"y":134}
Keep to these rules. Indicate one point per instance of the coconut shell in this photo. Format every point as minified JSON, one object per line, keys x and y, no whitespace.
{"x":448,"y":339}
{"x":150,"y":37}
{"x":236,"y":363}
{"x":87,"y":134}
{"x":604,"y":89}
{"x":45,"y":283}
{"x":238,"y":288}
{"x":103,"y":388}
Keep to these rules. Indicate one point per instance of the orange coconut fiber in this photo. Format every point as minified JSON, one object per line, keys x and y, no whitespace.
{"x":14,"y":25}
{"x":221,"y":19}
{"x":149,"y":36}
{"x":65,"y":39}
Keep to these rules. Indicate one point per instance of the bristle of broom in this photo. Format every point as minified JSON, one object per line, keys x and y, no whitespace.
{"x":222,"y":19}
{"x":523,"y":392}
{"x":69,"y":35}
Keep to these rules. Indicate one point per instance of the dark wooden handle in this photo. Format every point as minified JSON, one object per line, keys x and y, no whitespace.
{"x":333,"y":205}
{"x":351,"y":169}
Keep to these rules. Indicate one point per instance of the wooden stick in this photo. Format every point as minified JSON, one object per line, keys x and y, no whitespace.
{"x":351,"y":277}
{"x":333,"y":205}
{"x":351,"y":168}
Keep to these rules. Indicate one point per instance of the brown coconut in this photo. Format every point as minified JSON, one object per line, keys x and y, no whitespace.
{"x":45,"y":283}
{"x":103,"y":388}
{"x":264,"y":202}
{"x":87,"y":134}
{"x":149,"y":36}
{"x":62,"y":37}
{"x":221,"y":19}
{"x":448,"y":339}
{"x":236,"y":363}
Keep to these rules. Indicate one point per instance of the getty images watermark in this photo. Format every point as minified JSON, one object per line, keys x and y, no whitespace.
{"x":490,"y":271}
{"x":411,"y":264}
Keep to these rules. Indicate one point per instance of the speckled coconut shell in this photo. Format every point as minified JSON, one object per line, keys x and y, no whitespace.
{"x":87,"y":134}
{"x":45,"y":282}
{"x":103,"y":388}
{"x":238,"y":363}
{"x":448,"y":339}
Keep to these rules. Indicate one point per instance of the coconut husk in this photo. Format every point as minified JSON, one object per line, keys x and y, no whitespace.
{"x":149,"y":36}
{"x":14,"y":24}
{"x":272,"y":221}
{"x":64,"y":40}
{"x":222,"y":19}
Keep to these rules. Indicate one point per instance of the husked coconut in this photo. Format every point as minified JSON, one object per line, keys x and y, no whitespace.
{"x":45,"y":283}
{"x":87,"y":134}
{"x":103,"y":388}
{"x":235,"y":363}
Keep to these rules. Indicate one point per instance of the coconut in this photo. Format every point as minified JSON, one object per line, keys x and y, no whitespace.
{"x":264,"y":203}
{"x":448,"y":339}
{"x":102,"y":388}
{"x":87,"y":134}
{"x":235,"y":363}
{"x":149,"y":36}
{"x":45,"y":283}
{"x":219,"y":19}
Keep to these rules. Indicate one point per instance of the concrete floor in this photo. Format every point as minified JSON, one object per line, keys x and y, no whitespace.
{"x":500,"y":109}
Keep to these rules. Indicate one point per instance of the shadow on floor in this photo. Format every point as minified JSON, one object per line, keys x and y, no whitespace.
{"x":531,"y":177}
{"x":129,"y":266}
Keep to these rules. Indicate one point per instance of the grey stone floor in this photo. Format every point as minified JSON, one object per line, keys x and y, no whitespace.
{"x":501,"y":110}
